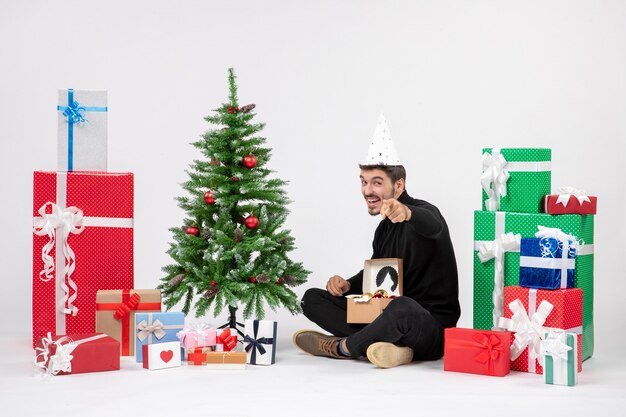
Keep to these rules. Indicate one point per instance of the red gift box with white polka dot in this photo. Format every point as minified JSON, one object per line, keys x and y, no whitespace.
{"x":102,"y":251}
{"x":567,"y":314}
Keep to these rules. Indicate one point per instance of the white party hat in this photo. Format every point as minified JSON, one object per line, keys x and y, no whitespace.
{"x":382,"y":151}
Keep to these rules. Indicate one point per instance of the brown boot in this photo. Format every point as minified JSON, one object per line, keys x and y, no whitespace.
{"x":388,"y":355}
{"x":318,"y":344}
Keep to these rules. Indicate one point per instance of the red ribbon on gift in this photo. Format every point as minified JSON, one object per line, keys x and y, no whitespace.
{"x":226,"y":339}
{"x":197,"y":356}
{"x":122,"y":312}
{"x":490,"y":349}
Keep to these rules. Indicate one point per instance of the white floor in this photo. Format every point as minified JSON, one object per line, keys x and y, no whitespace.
{"x":301,"y":385}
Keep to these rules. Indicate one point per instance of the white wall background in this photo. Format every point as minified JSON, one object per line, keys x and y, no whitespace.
{"x":451,"y":77}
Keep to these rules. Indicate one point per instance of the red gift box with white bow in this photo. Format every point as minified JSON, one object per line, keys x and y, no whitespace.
{"x":531,"y":313}
{"x":77,"y":354}
{"x":82,"y":243}
{"x":570,"y":201}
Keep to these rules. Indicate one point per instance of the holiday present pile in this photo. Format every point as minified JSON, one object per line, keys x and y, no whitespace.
{"x":533,"y":270}
{"x":76,"y":209}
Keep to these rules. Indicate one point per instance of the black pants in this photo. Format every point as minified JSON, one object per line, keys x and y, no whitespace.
{"x":404,"y":322}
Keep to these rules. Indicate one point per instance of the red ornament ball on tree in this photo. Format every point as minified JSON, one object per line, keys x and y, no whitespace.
{"x":253,"y":280}
{"x":192,"y":230}
{"x":208,"y":198}
{"x":249,"y":161}
{"x":213,"y":283}
{"x":251,"y":221}
{"x":234,"y":179}
{"x":279,"y":281}
{"x":230,"y":110}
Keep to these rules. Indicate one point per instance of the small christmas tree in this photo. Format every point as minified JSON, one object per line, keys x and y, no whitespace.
{"x":231,"y":250}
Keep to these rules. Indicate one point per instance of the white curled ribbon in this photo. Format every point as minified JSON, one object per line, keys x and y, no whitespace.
{"x":565,"y":193}
{"x":66,"y":221}
{"x":495,"y":249}
{"x":553,"y":345}
{"x":145,"y":329}
{"x":529,"y":331}
{"x":61,"y":360}
{"x":198,"y":329}
{"x":567,"y":242}
{"x":494,"y":178}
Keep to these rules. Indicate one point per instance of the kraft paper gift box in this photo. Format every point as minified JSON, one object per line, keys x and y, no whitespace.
{"x":82,"y":243}
{"x":116,"y":310}
{"x":210,"y":359}
{"x":82,"y":130}
{"x":560,"y":352}
{"x":153,"y":328}
{"x":260,"y":341}
{"x":473,"y":351}
{"x":570,"y":201}
{"x":505,"y":271}
{"x":515,"y":179}
{"x":77,"y":354}
{"x":199,"y":335}
{"x":546,"y":310}
{"x":383,"y":274}
{"x":198,"y":356}
{"x":160,"y":355}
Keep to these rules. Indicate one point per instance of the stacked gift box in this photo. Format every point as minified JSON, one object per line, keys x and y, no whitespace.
{"x":86,"y":312}
{"x":82,"y":239}
{"x":83,"y":302}
{"x":519,"y":212}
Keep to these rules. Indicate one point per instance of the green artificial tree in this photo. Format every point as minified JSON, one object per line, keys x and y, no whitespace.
{"x":232,"y":251}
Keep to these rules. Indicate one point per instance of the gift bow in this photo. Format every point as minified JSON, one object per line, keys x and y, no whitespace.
{"x":126,"y":306}
{"x":554,"y":346}
{"x":68,"y":220}
{"x":565,"y":193}
{"x":494,"y":178}
{"x":198,"y":329}
{"x":529,"y":331}
{"x":567,"y":241}
{"x":225,"y":338}
{"x":257,"y":344}
{"x":496,"y":249}
{"x":74,"y":113}
{"x":491,"y":348}
{"x":61,"y":361}
{"x":145,"y":330}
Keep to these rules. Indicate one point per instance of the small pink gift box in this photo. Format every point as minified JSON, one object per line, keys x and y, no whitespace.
{"x":199,"y":335}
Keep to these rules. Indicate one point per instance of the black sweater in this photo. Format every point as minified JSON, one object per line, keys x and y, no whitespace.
{"x":429,"y":266}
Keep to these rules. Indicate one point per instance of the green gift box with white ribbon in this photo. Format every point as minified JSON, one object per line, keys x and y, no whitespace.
{"x":515,"y":179}
{"x":496,"y":240}
{"x":560,"y":350}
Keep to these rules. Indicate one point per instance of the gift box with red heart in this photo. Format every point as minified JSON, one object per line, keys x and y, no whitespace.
{"x":161,"y":355}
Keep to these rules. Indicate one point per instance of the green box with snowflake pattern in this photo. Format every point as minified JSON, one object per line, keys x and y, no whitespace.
{"x":526,"y":225}
{"x":525,"y":189}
